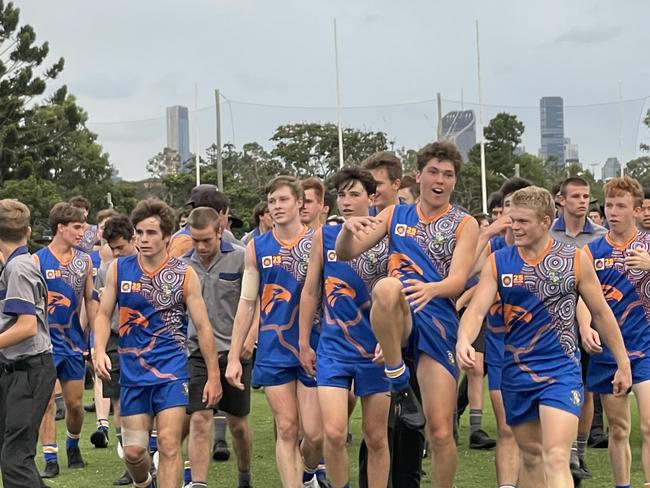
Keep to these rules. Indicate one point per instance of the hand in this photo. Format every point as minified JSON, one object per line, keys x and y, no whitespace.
{"x":418,"y":293}
{"x":103,"y":366}
{"x":360,"y":227}
{"x":233,"y":374}
{"x":308,"y":360}
{"x":498,"y":226}
{"x":591,"y":341}
{"x":247,"y":350}
{"x":637,"y":259}
{"x":622,"y":381}
{"x":465,"y":355}
{"x":379,"y":355}
{"x":212,"y":391}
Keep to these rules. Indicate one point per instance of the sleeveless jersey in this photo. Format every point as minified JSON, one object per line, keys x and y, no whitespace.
{"x":346,"y":334}
{"x":494,"y":318}
{"x":96,"y":259}
{"x":627,"y":292}
{"x":282,"y":268}
{"x":152,"y":320}
{"x":66,"y":283}
{"x":89,"y":239}
{"x":421,"y":248}
{"x":539,"y":302}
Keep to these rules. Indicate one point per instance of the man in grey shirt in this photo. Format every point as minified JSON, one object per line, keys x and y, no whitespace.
{"x":574,"y":227}
{"x":220,"y":267}
{"x":27,"y":374}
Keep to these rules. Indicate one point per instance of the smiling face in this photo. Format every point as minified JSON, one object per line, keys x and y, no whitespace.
{"x":527,"y":227}
{"x":387,"y":189}
{"x":283,"y":205}
{"x":437,"y":182}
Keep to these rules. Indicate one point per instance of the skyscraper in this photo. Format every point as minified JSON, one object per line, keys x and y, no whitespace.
{"x":551,"y":114}
{"x":611,"y":169}
{"x":178,"y":131}
{"x":459,"y":127}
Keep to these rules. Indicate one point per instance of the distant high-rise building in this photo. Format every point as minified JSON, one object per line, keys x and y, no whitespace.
{"x":178,"y":131}
{"x":459,"y":127}
{"x":571,"y":153}
{"x":611,"y":169}
{"x":551,"y":114}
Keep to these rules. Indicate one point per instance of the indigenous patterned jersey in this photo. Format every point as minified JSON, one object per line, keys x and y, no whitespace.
{"x":494,"y":318}
{"x":66,"y":283}
{"x":180,"y":243}
{"x":153,"y":321}
{"x":539,"y":302}
{"x":627,"y":292}
{"x":421,"y":248}
{"x":89,"y":239}
{"x":283,"y":268}
{"x":346,"y":334}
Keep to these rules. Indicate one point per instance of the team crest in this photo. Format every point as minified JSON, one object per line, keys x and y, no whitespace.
{"x":450,"y":358}
{"x":576,"y":398}
{"x":267,"y":261}
{"x":331,"y":256}
{"x":553,"y":277}
{"x":506,"y":280}
{"x":439,"y":238}
{"x":166,"y":291}
{"x":94,"y":271}
{"x":125,"y":287}
{"x":186,"y":389}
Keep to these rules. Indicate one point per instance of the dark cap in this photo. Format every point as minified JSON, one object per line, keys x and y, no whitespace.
{"x":208,"y":196}
{"x":235,"y":222}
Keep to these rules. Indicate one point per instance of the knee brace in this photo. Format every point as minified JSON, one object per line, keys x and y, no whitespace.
{"x":137,"y":438}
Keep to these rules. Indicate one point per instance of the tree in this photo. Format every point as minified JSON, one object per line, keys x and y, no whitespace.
{"x":639,"y":169}
{"x":311,"y":149}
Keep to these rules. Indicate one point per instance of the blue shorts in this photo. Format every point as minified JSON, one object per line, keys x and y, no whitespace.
{"x":601,"y":375}
{"x":425,"y":339}
{"x":69,"y":368}
{"x":267,"y":375}
{"x":494,"y":377}
{"x":369,"y":378}
{"x":152,"y":399}
{"x":523,"y":406}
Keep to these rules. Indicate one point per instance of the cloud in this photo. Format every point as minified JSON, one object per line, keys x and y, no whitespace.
{"x":256,"y":83}
{"x":105,"y":87}
{"x":589,"y":35}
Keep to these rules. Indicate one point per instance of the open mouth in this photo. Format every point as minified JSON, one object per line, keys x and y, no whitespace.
{"x":437,"y":191}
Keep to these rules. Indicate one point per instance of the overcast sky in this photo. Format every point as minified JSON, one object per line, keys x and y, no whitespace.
{"x":128,"y":60}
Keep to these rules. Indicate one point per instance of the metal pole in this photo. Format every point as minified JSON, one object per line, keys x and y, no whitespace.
{"x":196,"y":122}
{"x":620,"y":127}
{"x":480,"y":124}
{"x":338,"y":97}
{"x":217,"y":98}
{"x":439,"y":100}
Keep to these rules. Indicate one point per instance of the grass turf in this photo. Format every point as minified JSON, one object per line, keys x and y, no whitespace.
{"x":475,"y":468}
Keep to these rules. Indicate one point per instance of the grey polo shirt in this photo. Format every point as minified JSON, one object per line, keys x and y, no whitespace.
{"x":589,"y":232}
{"x":221,"y":288}
{"x":23,"y":292}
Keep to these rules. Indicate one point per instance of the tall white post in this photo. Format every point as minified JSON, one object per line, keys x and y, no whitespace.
{"x":196,"y":123}
{"x":480,"y":124}
{"x":217,"y":99}
{"x":338,"y":97}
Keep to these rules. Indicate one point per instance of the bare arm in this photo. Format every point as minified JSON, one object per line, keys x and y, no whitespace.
{"x":361,"y":233}
{"x":102,"y":324}
{"x":199,"y":315}
{"x":245,"y":307}
{"x":309,"y":302}
{"x":472,"y":319}
{"x":590,"y":338}
{"x":91,"y":298}
{"x":604,"y":320}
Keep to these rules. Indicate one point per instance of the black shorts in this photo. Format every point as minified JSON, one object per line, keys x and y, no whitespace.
{"x":234,"y":402}
{"x":584,"y":362}
{"x":479,"y":343}
{"x":111,"y":389}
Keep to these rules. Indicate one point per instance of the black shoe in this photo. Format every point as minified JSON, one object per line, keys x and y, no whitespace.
{"x":60,"y":412}
{"x":598,"y":439}
{"x":480,"y":440}
{"x":124,"y":480}
{"x":586,"y":472}
{"x":408,"y":409}
{"x":348,"y":440}
{"x":90,"y":407}
{"x":574,"y":465}
{"x":75,"y":461}
{"x":51,"y":470}
{"x":220,"y":451}
{"x":99,"y":438}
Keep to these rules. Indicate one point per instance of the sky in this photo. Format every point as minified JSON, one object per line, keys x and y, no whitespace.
{"x":126,"y":61}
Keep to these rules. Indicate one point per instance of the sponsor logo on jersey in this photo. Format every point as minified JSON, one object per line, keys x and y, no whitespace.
{"x":125,"y":286}
{"x":51,"y":274}
{"x":331,"y":256}
{"x":450,"y":358}
{"x":603,"y":263}
{"x":506,"y":280}
{"x":404,"y":230}
{"x":269,"y":261}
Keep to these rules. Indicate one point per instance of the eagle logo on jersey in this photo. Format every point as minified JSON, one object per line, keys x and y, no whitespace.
{"x":612,"y":293}
{"x":514,"y":312}
{"x":272,"y":294}
{"x":400,"y":264}
{"x":336,"y":288}
{"x":130,"y":318}
{"x":55,"y":301}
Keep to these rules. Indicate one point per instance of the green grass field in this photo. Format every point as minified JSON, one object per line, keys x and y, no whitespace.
{"x":475,"y":468}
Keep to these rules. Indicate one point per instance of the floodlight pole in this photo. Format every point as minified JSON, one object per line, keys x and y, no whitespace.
{"x":196,"y":122}
{"x":217,"y":99}
{"x":338,"y":97}
{"x":480,"y":124}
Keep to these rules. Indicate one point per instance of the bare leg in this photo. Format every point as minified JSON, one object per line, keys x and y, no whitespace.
{"x":375,"y":432}
{"x":559,"y":430}
{"x":198,"y":445}
{"x":311,"y":422}
{"x":335,"y":421}
{"x":529,"y":440}
{"x":620,"y":455}
{"x":169,"y":424}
